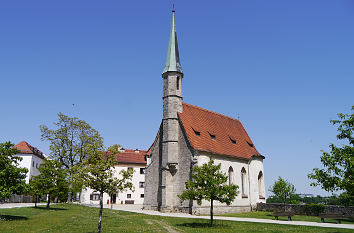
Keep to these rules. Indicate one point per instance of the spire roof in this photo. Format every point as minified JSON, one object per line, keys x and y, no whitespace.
{"x":172,"y":60}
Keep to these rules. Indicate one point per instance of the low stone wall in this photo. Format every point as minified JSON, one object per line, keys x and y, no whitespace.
{"x":17,"y":199}
{"x":347,"y":211}
{"x":205,"y":210}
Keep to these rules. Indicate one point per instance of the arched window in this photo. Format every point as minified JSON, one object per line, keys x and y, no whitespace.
{"x":243,"y":181}
{"x":260,"y":184}
{"x":231,"y":175}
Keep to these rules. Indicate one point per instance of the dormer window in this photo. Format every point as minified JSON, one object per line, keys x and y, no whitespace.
{"x":233,"y":141}
{"x":212,"y":136}
{"x":196,"y":132}
{"x":250,"y":144}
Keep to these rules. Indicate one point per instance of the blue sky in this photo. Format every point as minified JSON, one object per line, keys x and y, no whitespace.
{"x":284,"y":67}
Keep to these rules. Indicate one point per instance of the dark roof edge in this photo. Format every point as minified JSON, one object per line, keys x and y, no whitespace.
{"x":232,"y":156}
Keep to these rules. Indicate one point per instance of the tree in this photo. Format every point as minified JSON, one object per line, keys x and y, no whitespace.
{"x":338,"y":171}
{"x":114,"y":150}
{"x":34,"y":192}
{"x":12,"y":177}
{"x":283,"y":189}
{"x":209,"y":183}
{"x":98,"y":173}
{"x":71,"y":143}
{"x":51,"y":181}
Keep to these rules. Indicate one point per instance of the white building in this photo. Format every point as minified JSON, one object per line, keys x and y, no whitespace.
{"x":127,"y":159}
{"x":31,"y":158}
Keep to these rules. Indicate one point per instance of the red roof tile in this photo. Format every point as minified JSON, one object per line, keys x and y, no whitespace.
{"x":224,"y":129}
{"x":131,"y":157}
{"x":26,"y":148}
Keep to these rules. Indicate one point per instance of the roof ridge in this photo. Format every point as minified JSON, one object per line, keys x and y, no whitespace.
{"x":222,"y":115}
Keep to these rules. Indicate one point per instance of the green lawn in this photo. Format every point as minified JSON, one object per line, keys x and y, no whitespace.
{"x":75,"y":218}
{"x":269,"y":215}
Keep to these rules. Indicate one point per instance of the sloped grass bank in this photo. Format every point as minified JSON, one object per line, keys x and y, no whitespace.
{"x":76,"y":218}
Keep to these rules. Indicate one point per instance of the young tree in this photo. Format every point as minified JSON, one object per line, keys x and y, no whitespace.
{"x":71,"y":143}
{"x":283,"y":189}
{"x":51,"y":181}
{"x":209,"y":183}
{"x":12,"y":177}
{"x":34,"y":192}
{"x":98,"y":173}
{"x":338,"y":172}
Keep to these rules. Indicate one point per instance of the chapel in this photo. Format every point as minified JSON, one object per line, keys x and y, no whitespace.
{"x":189,"y":136}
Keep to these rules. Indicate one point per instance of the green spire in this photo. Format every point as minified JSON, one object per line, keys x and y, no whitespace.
{"x":172,"y":60}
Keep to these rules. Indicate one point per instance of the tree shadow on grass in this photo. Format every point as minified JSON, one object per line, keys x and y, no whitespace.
{"x":5,"y":217}
{"x":44,"y":208}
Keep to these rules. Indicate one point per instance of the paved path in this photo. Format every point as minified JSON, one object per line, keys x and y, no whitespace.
{"x":16,"y":205}
{"x":138,"y":209}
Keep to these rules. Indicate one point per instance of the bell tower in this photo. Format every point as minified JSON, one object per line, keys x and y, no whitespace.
{"x":172,"y":104}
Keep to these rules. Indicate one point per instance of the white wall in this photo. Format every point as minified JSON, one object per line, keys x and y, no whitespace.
{"x":251,"y":184}
{"x":27,"y":162}
{"x":121,"y":197}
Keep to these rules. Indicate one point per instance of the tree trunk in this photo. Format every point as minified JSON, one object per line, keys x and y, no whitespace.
{"x":70,"y":193}
{"x":48,"y":203}
{"x":211,"y":212}
{"x":111,"y":205}
{"x":101,"y":209}
{"x":35,"y":201}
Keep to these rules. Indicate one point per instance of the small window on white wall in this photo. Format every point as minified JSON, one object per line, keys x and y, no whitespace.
{"x":95,"y":196}
{"x":141,"y":184}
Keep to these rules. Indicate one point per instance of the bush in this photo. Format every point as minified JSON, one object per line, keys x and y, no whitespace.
{"x":314,"y":209}
{"x":294,"y":202}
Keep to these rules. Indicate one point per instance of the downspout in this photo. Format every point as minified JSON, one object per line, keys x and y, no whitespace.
{"x":249,"y":182}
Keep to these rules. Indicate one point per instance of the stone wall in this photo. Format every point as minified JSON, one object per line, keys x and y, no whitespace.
{"x":17,"y":199}
{"x":152,"y":194}
{"x":348,"y":211}
{"x":222,"y":209}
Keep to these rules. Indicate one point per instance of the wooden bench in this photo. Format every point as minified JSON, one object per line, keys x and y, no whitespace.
{"x":338,"y":217}
{"x":285,"y":214}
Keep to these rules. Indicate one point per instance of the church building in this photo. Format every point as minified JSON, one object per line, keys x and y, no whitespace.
{"x":189,"y":136}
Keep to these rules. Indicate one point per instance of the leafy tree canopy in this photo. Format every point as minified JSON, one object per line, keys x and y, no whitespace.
{"x":283,"y":189}
{"x":71,"y":142}
{"x":209,"y":183}
{"x":12,"y":177}
{"x":338,"y":171}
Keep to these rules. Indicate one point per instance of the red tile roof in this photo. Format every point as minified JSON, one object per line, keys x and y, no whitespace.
{"x":131,"y":157}
{"x":225,"y":130}
{"x":26,"y":148}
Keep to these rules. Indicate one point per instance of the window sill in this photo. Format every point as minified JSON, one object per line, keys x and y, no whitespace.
{"x":244,"y":196}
